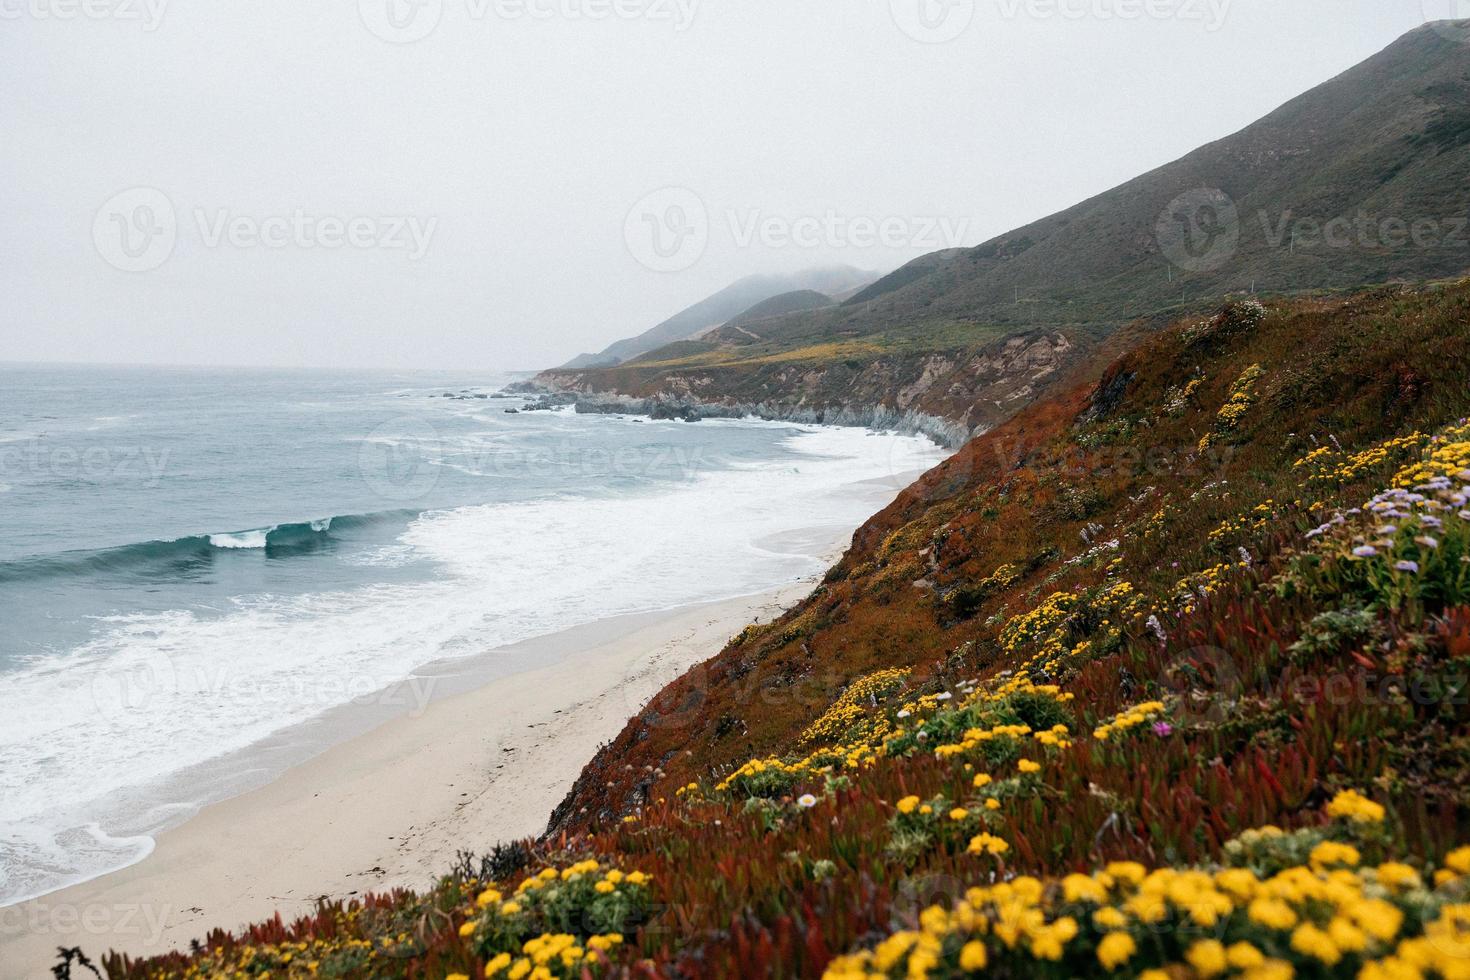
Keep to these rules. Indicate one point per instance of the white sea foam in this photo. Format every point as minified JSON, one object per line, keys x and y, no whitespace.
{"x":244,"y":540}
{"x":153,"y":695}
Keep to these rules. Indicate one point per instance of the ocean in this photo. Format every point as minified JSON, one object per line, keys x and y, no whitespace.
{"x":194,"y":562}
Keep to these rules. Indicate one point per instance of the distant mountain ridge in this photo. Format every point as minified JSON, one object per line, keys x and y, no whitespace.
{"x":1360,"y":180}
{"x":1388,"y":140}
{"x":725,"y":305}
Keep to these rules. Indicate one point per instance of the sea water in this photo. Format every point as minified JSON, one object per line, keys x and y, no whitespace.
{"x":194,"y":561}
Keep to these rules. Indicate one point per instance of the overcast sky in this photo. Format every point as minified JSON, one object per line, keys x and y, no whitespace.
{"x":505,"y":183}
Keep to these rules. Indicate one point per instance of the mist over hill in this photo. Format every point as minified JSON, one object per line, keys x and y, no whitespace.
{"x":1360,"y":180}
{"x":713,"y":311}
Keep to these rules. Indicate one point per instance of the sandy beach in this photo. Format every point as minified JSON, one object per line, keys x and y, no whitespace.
{"x":391,"y":807}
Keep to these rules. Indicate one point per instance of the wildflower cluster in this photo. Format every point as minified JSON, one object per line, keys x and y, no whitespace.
{"x":337,"y":955}
{"x":556,"y":922}
{"x":853,"y":707}
{"x":919,"y":824}
{"x":1242,"y":396}
{"x":991,"y":722}
{"x":1202,"y":584}
{"x":1331,"y":466}
{"x":1141,"y":714}
{"x":1178,"y":399}
{"x":773,"y":777}
{"x":1329,"y":917}
{"x":1448,"y":458}
{"x":1244,"y":526}
{"x":1067,"y":628}
{"x":1403,"y":550}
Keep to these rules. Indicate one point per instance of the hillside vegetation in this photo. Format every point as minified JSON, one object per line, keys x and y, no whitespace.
{"x":1360,"y":180}
{"x":729,"y":304}
{"x":1165,"y":677}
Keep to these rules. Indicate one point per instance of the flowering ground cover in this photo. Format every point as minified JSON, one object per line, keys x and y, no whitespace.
{"x":1169,"y":677}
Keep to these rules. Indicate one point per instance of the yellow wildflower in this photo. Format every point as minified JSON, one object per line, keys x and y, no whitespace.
{"x":1352,"y":805}
{"x":1311,"y":941}
{"x":1244,"y":956}
{"x":973,"y":957}
{"x":1329,"y":853}
{"x":1208,"y":958}
{"x":988,"y":844}
{"x":1116,"y":949}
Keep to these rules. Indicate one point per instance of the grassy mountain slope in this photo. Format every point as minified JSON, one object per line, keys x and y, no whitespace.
{"x":1388,"y":140}
{"x":1149,"y":624}
{"x":793,"y":302}
{"x":724,"y":305}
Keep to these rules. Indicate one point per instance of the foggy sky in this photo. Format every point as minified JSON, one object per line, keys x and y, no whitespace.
{"x":344,"y":192}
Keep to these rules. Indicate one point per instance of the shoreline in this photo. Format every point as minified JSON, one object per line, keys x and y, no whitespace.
{"x":390,"y":807}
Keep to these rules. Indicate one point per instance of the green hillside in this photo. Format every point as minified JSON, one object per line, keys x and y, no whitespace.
{"x":1361,"y":180}
{"x":1164,"y":678}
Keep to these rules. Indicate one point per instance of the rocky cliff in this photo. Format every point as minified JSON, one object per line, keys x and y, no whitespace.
{"x":950,"y":396}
